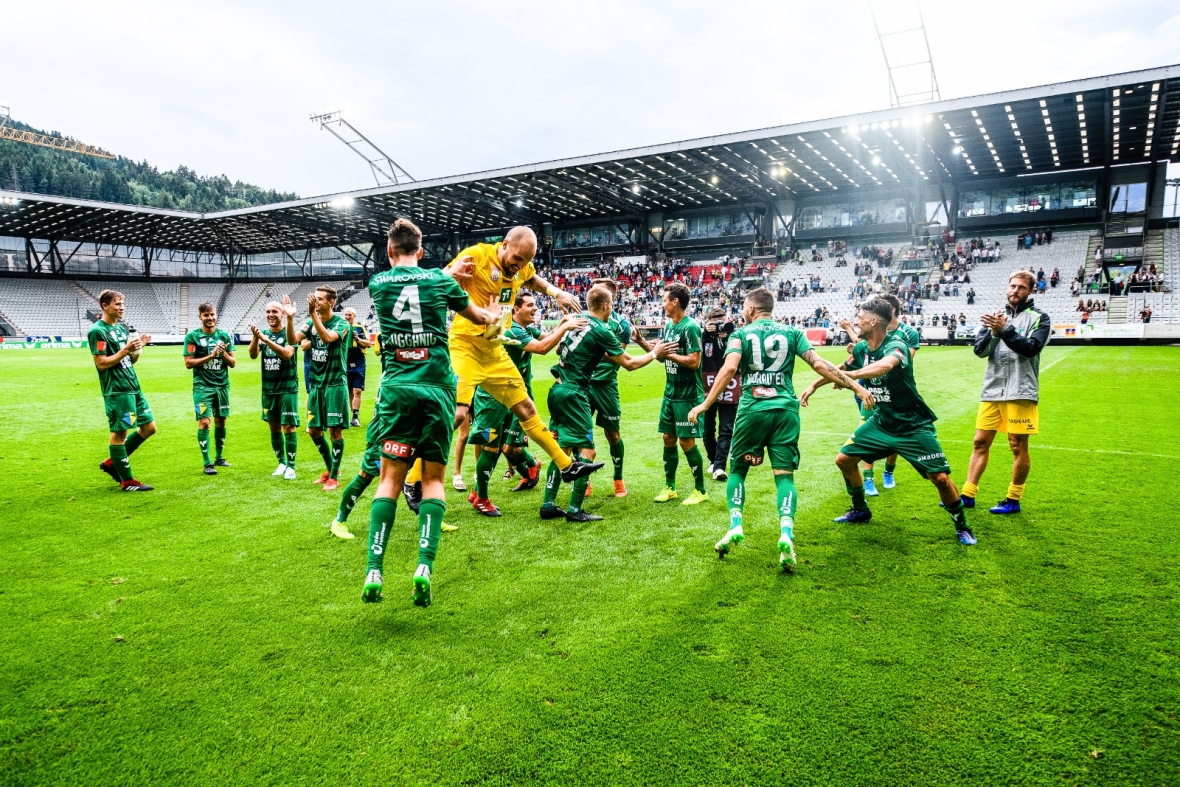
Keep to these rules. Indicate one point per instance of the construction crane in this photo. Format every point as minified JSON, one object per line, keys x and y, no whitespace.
{"x":385,"y":170}
{"x":46,"y":141}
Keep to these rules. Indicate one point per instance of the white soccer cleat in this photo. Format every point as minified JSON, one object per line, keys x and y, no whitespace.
{"x":732,"y":537}
{"x":289,"y":474}
{"x":282,"y":468}
{"x":458,"y":483}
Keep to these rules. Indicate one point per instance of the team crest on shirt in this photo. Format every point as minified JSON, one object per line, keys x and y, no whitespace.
{"x":495,"y":274}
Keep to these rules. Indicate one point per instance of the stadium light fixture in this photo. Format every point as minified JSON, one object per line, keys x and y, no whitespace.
{"x":343,"y":203}
{"x":713,"y":180}
{"x":956,"y":150}
{"x":635,"y":189}
{"x":876,"y":160}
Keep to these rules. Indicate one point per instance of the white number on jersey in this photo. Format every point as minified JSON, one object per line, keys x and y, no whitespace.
{"x":775,"y":346}
{"x":408,"y":308}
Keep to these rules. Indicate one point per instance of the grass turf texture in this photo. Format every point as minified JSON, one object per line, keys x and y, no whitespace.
{"x":211,"y":631}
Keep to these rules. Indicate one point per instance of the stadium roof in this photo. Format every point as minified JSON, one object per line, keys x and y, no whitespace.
{"x":1092,"y":123}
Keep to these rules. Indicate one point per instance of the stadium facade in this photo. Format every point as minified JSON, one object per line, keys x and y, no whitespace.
{"x":1087,"y":158}
{"x":1092,"y":151}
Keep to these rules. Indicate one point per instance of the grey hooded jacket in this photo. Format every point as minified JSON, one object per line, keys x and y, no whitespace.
{"x":1014,"y":357}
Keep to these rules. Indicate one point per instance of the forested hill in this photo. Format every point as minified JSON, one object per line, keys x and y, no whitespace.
{"x":39,"y":170}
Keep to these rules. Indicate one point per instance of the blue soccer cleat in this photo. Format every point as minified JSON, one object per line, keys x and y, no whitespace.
{"x":854,"y":515}
{"x":966,"y":537}
{"x":870,"y":488}
{"x":1006,"y":506}
{"x":887,"y":480}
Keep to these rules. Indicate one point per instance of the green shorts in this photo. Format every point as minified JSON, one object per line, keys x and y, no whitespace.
{"x":282,"y":407}
{"x":327,"y":407}
{"x":604,"y":403}
{"x":493,"y":424}
{"x":674,"y":420}
{"x":127,"y":411}
{"x":210,"y":402}
{"x":413,"y":422}
{"x":777,"y":431}
{"x":569,"y":416}
{"x":920,"y":448}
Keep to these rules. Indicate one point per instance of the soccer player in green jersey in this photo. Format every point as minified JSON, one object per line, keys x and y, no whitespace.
{"x":280,"y":387}
{"x":415,"y":411}
{"x":327,"y":398}
{"x":856,"y":361}
{"x":683,"y":391}
{"x":115,"y":352}
{"x":209,"y":352}
{"x":494,"y":426}
{"x":763,"y":352}
{"x":581,"y":351}
{"x":605,"y":403}
{"x":900,"y":423}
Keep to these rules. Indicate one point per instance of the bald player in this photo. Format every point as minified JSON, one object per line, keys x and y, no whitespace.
{"x":499,"y":270}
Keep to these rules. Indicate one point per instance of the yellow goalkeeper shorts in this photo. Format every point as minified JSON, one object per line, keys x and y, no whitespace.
{"x":1016,"y":417}
{"x":478,"y":362}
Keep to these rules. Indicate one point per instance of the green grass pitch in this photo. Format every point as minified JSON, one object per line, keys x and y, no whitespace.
{"x":212,"y":632}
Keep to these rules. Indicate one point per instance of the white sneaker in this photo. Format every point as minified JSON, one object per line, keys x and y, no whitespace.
{"x":289,"y":474}
{"x":458,"y":483}
{"x":719,"y":474}
{"x":282,"y":468}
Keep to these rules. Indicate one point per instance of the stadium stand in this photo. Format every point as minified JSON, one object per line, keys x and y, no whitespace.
{"x":60,"y":307}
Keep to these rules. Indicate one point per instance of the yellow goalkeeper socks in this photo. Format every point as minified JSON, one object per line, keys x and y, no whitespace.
{"x":1015,"y":491}
{"x":540,"y":435}
{"x":970,"y":490}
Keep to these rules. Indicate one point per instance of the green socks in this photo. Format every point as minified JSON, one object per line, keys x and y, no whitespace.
{"x":430,"y":518}
{"x":484,"y":467}
{"x":671,"y":462}
{"x":120,"y":462}
{"x":203,"y":441}
{"x":616,"y":458}
{"x":889,"y":468}
{"x":552,"y":484}
{"x":325,"y":452}
{"x":867,"y":473}
{"x":858,"y":497}
{"x":735,"y":495}
{"x":696,"y":461}
{"x":352,"y":493}
{"x":276,"y":445}
{"x":958,"y":514}
{"x":788,"y":499}
{"x":219,"y":439}
{"x":578,"y":495}
{"x":133,"y":442}
{"x":337,"y":456}
{"x":380,"y":521}
{"x":290,"y":444}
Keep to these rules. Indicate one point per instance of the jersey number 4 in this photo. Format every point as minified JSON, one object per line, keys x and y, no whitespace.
{"x":407,"y":308}
{"x":775,"y":345}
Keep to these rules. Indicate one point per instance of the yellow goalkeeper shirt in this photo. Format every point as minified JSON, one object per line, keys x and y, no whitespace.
{"x":488,"y":280}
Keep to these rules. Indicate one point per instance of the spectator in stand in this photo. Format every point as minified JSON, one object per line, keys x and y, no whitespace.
{"x":971,"y":297}
{"x":1145,"y":315}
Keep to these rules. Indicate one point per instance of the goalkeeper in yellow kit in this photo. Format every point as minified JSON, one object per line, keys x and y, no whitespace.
{"x":499,"y":270}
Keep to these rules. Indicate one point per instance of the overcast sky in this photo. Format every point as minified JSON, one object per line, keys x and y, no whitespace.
{"x":453,"y":87}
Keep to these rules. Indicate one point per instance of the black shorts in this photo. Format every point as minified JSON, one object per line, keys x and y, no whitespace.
{"x":356,"y":378}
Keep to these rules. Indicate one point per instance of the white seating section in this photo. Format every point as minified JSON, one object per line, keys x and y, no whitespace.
{"x":57,"y":307}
